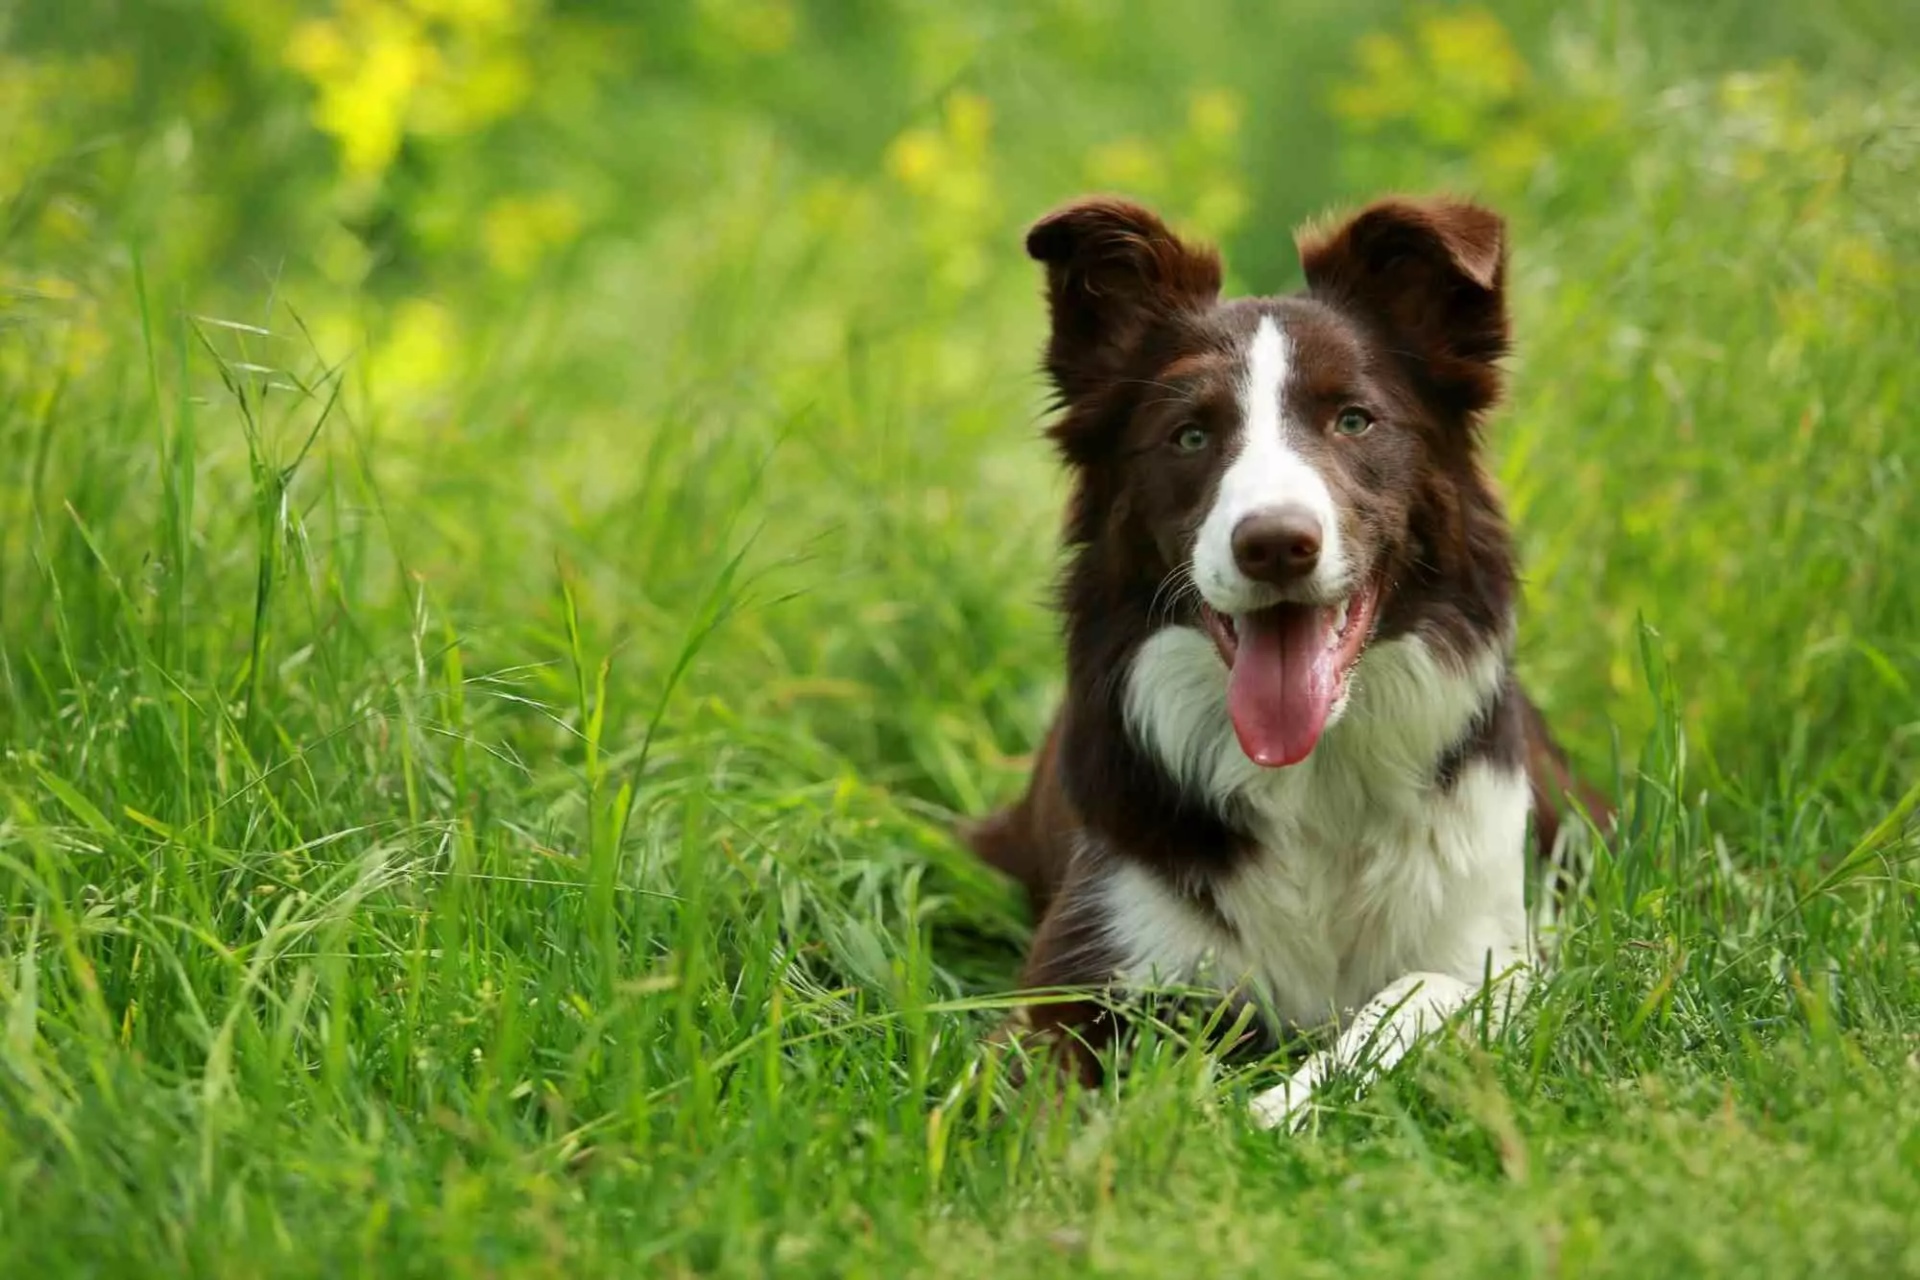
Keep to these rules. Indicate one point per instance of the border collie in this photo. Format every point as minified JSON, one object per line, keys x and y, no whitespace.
{"x":1293,"y":764}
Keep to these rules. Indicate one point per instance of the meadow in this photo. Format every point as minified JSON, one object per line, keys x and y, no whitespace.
{"x":523,"y":526}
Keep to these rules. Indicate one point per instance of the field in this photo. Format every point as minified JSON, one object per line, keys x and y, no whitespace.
{"x":523,"y":526}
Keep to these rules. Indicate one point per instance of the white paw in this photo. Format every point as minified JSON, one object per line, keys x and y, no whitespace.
{"x":1285,"y":1106}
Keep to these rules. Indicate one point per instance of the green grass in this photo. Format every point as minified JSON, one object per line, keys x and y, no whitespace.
{"x":484,"y":808}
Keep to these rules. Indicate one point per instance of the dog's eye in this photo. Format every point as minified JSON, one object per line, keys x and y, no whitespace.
{"x":1353,"y":422}
{"x":1191,"y":439}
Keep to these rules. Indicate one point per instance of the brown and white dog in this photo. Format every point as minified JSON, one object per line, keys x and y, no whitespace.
{"x":1293,"y":764}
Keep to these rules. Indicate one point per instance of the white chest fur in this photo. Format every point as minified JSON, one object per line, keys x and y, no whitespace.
{"x":1365,"y":871}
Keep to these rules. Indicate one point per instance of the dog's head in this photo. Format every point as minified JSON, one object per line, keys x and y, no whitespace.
{"x":1295,"y":474}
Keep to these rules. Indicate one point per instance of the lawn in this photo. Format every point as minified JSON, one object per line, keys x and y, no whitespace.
{"x":523,"y":526}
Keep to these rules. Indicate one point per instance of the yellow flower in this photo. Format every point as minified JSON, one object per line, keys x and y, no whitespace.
{"x":366,"y":77}
{"x":521,"y":230}
{"x":49,"y":288}
{"x":1129,"y":163}
{"x":1469,"y":49}
{"x":418,"y":352}
{"x":1460,"y":62}
{"x":1387,"y":87}
{"x":1214,"y":115}
{"x":318,"y":49}
{"x":1515,"y":152}
{"x":914,"y":157}
{"x":382,"y":69}
{"x":947,"y":172}
{"x":969,"y":121}
{"x":1219,"y":209}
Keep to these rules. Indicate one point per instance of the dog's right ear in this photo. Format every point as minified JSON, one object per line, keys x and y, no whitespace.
{"x":1113,"y":271}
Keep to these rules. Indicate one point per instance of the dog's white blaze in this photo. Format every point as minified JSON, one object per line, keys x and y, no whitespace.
{"x":1373,"y":900}
{"x":1264,"y":473}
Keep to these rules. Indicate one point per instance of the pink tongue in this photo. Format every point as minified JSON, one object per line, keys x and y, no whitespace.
{"x":1282,"y":684}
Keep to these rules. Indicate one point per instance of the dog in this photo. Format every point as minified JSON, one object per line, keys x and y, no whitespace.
{"x":1293,"y":765}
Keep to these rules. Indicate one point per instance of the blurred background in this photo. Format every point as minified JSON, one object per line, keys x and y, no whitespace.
{"x":531,"y":316}
{"x":638,"y":284}
{"x":523,"y":522}
{"x":628,"y":283}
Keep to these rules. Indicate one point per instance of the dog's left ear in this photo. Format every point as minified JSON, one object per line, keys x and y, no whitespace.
{"x":1432,"y":274}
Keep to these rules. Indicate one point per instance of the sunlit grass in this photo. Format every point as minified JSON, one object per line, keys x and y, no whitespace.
{"x":478,"y":786}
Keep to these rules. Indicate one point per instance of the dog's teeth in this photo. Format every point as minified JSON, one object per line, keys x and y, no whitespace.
{"x":1340,"y":619}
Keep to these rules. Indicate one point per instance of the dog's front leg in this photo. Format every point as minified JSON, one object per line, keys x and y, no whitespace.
{"x":1377,"y":1037}
{"x":1070,"y":951}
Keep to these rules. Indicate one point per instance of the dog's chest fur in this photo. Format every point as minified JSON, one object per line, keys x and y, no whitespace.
{"x":1369,"y":860}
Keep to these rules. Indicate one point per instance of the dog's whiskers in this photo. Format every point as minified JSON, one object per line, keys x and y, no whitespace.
{"x":1177,"y":588}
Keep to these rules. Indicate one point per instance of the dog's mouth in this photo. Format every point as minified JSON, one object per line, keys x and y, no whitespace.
{"x":1288,"y":666}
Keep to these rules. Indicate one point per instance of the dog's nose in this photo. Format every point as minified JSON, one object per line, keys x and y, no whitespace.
{"x":1277,"y":546}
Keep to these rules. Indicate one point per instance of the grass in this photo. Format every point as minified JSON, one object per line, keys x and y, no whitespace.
{"x":498,"y":823}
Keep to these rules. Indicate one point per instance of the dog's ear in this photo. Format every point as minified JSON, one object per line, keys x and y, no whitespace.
{"x":1113,"y":271}
{"x":1432,"y":274}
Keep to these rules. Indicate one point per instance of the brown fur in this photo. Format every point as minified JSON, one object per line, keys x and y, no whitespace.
{"x":1404,"y":308}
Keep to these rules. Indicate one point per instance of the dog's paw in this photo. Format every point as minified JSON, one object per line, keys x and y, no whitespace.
{"x":1287,"y":1105}
{"x":1043,"y":1064}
